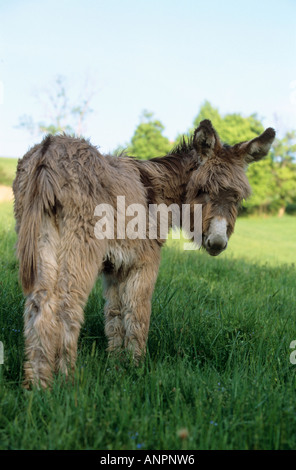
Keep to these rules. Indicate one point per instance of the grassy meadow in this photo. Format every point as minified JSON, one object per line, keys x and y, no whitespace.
{"x":217,"y":373}
{"x":7,"y":170}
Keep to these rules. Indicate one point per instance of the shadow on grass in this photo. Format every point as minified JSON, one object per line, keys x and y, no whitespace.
{"x":205,"y":310}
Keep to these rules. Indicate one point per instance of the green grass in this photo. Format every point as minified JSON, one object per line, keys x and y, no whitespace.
{"x":217,"y":363}
{"x":7,"y":170}
{"x":270,"y":240}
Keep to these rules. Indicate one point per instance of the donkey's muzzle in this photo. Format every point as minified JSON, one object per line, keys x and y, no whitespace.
{"x":215,"y":245}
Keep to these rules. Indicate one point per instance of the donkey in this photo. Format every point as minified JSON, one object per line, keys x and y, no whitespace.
{"x":58,"y":185}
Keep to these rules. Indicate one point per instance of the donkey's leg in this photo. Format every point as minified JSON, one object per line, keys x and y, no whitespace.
{"x":80,"y":265}
{"x":41,"y":333}
{"x":41,"y":324}
{"x":114,"y":328}
{"x":135,"y":293}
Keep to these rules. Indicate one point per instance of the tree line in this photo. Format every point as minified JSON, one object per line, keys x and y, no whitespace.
{"x":273,"y":179}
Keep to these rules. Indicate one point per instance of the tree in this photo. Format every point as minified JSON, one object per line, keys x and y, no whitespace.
{"x":264,"y":189}
{"x":148,"y":140}
{"x":284,"y":150}
{"x":232,"y":128}
{"x":284,"y":158}
{"x":60,"y":115}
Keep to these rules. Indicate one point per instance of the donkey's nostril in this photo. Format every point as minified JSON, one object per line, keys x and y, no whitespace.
{"x":217,"y":244}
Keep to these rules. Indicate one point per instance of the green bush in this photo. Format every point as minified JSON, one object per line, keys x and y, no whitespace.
{"x":291,"y":209}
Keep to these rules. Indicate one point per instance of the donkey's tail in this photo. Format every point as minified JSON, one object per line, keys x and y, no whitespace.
{"x":41,"y":198}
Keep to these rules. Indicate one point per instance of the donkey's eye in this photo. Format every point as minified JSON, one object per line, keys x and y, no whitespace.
{"x":237,"y":198}
{"x":201,"y":193}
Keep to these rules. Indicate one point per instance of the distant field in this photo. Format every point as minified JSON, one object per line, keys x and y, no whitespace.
{"x":7,"y":170}
{"x":217,"y":373}
{"x":270,"y":240}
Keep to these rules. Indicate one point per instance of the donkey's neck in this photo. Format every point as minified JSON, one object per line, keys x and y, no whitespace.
{"x":166,"y":178}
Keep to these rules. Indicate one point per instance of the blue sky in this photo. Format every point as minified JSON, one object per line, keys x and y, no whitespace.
{"x":165,"y":56}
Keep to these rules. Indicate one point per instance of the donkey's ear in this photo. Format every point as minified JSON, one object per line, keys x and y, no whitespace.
{"x":205,"y":138}
{"x":259,"y":147}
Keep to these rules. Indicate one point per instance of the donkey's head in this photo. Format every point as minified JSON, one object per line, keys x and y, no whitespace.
{"x":220,"y":183}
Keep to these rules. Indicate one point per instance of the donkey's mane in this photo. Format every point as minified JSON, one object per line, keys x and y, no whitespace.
{"x":170,"y":162}
{"x":174,"y":160}
{"x":183,"y":147}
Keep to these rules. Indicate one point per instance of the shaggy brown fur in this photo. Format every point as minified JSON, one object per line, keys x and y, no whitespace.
{"x":57,"y":187}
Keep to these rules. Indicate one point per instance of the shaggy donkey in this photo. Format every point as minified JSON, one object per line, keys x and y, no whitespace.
{"x":58,"y":185}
